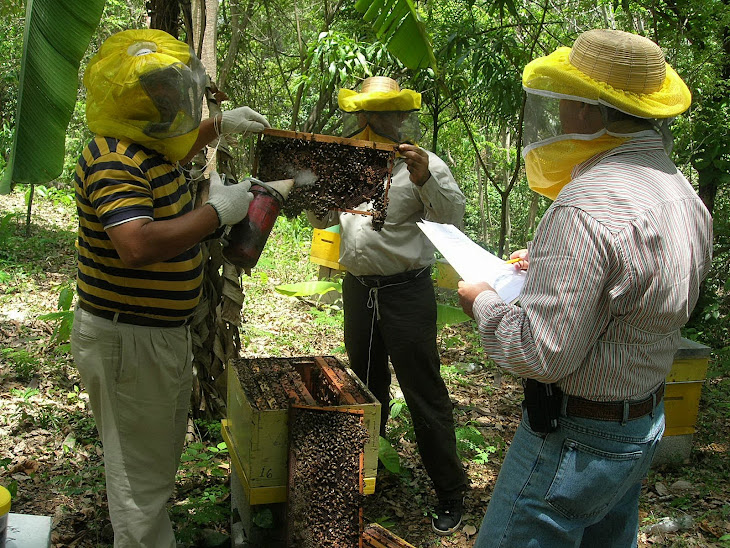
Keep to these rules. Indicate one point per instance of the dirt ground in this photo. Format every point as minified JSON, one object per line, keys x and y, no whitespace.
{"x":47,"y":444}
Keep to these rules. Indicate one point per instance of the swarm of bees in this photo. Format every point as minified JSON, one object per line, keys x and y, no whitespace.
{"x":344,"y":176}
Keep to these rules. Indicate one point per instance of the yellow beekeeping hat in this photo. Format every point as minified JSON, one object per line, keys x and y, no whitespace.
{"x":146,"y":86}
{"x":378,"y":94}
{"x":622,"y":70}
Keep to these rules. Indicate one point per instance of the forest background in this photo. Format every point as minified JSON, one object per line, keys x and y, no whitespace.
{"x":287,"y":59}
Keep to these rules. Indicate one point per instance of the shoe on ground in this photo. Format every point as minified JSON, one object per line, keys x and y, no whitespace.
{"x":447,"y":518}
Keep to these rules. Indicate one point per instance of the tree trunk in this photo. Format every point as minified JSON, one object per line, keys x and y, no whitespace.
{"x":205,"y":32}
{"x":506,"y":140}
{"x":165,"y":15}
{"x":532,"y":214}
{"x":483,"y":204}
{"x":240,"y":17}
{"x":503,"y":222}
{"x":214,"y":326}
{"x":210,"y":37}
{"x":435,"y":128}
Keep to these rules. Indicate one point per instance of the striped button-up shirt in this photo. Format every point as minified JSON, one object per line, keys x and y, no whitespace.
{"x":615,"y":269}
{"x":116,"y":182}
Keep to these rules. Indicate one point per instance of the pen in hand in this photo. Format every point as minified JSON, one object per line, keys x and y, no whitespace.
{"x":513,"y":261}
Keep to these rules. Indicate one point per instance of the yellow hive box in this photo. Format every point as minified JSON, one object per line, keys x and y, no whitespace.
{"x":682,"y":401}
{"x":684,"y":388}
{"x":258,"y":440}
{"x":325,"y":249}
{"x":446,"y":276}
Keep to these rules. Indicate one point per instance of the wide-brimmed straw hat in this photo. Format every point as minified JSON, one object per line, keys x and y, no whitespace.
{"x":622,"y":70}
{"x":379,"y":93}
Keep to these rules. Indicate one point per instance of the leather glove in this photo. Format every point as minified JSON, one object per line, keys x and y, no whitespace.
{"x":230,"y":202}
{"x":242,"y":120}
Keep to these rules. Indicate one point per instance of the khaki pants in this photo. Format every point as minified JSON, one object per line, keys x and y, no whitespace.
{"x":139,"y":381}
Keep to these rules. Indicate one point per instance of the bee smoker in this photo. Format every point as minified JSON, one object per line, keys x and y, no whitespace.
{"x":246,"y":239}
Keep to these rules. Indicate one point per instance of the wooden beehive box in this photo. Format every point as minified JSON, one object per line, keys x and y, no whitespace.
{"x":325,"y":250}
{"x":376,"y":536}
{"x":684,"y":387}
{"x":682,"y":401}
{"x":256,"y":428}
{"x":330,"y":173}
{"x":325,"y":490}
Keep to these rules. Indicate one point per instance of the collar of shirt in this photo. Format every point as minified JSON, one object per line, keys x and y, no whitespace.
{"x":644,"y":141}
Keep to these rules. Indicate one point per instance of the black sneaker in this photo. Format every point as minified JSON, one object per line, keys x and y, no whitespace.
{"x":448,"y":517}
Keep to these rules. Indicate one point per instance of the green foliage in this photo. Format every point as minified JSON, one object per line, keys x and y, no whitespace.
{"x":398,"y":25}
{"x":453,"y":373}
{"x":24,"y":364}
{"x":48,"y":85}
{"x":198,"y":457}
{"x":288,"y":243}
{"x":57,"y":196}
{"x":11,"y":486}
{"x":389,"y":456}
{"x":64,"y":318}
{"x":207,"y":503}
{"x":263,"y":517}
{"x":80,"y":419}
{"x":715,"y":401}
{"x":307,"y":289}
{"x":385,"y":521}
{"x":481,"y":49}
{"x":25,"y":408}
{"x":328,"y":316}
{"x":401,"y":424}
{"x":86,"y":480}
{"x":341,"y":55}
{"x":450,"y":315}
{"x":396,"y":408}
{"x":22,"y":256}
{"x":472,"y":445}
{"x":5,"y":229}
{"x":11,"y":29}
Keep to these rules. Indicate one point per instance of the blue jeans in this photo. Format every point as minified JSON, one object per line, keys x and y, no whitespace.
{"x":577,"y":486}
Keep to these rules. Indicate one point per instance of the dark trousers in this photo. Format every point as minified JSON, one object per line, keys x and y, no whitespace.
{"x":396,"y":317}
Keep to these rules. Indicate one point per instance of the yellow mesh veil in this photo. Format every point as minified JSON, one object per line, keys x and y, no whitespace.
{"x":146,"y":86}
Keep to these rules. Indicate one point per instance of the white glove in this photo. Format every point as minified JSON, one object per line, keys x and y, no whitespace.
{"x":242,"y":120}
{"x":230,"y":202}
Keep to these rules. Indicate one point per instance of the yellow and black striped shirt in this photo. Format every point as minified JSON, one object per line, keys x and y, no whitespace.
{"x":117,"y":181}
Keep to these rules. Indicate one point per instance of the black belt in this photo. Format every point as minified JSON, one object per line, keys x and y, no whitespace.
{"x":380,"y":281}
{"x":123,"y":317}
{"x":613,"y":410}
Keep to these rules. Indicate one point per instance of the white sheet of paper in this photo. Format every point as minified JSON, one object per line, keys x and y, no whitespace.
{"x":472,"y":262}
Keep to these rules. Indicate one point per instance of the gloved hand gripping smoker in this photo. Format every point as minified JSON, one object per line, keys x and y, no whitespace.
{"x":246,"y":239}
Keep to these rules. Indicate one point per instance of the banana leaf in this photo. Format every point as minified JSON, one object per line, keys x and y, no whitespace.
{"x":397,"y":24}
{"x":56,"y":35}
{"x":450,"y":315}
{"x":307,"y":289}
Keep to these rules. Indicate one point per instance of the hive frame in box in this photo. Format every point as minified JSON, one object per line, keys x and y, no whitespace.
{"x":292,"y":463}
{"x":257,"y":439}
{"x":377,"y":536}
{"x":319,"y":138}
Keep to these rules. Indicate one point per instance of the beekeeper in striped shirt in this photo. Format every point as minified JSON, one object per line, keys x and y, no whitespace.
{"x":140,"y":266}
{"x":614,"y":272}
